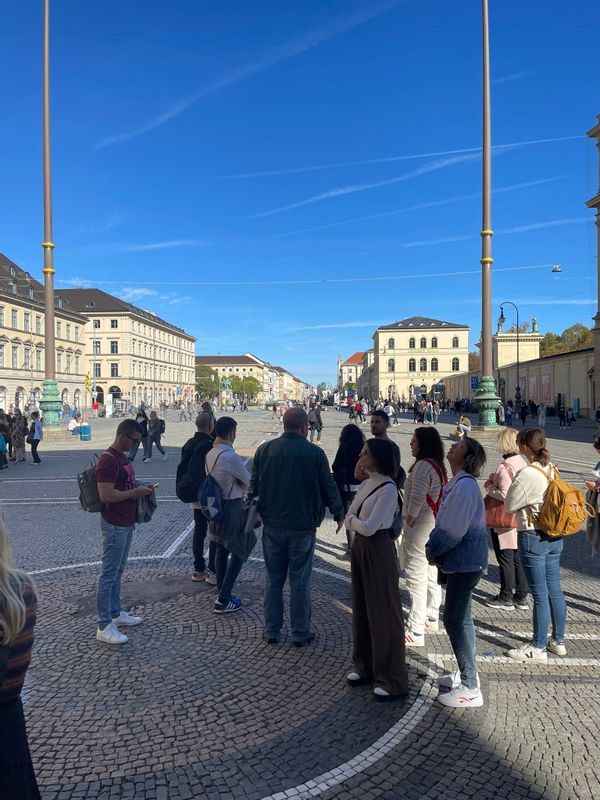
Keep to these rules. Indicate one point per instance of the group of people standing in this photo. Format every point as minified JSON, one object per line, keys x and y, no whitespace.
{"x":15,"y":433}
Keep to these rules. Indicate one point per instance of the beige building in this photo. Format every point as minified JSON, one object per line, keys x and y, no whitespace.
{"x":276,"y":382}
{"x":410,"y":357}
{"x":349,"y":370}
{"x":22,"y":358}
{"x":132,"y":354}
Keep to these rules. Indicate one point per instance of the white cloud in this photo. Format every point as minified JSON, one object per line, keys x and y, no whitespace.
{"x":552,"y":223}
{"x":515,"y":76}
{"x":144,"y":247}
{"x":327,"y":326}
{"x":133,"y":294}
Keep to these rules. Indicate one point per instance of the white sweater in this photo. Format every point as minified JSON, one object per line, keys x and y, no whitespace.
{"x":526,"y":495}
{"x":378,"y":510}
{"x":422,"y":481}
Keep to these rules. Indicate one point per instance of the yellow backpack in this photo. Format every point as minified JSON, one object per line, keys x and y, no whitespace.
{"x":564,"y":510}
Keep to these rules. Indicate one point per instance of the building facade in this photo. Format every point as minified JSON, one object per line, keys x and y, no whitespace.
{"x":22,"y":357}
{"x":349,"y":370}
{"x":132,"y":354}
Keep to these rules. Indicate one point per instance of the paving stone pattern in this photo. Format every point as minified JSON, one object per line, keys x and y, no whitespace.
{"x":196,"y":705}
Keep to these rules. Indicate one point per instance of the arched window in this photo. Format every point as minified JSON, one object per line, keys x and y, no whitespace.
{"x":423,"y":343}
{"x":391,"y":344}
{"x":434,"y":342}
{"x":412,"y":364}
{"x":455,"y":365}
{"x":434,"y":365}
{"x":455,"y":341}
{"x":411,"y":343}
{"x":423,"y":365}
{"x":391,"y":365}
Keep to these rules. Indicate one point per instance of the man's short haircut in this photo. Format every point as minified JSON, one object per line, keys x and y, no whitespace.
{"x":129,"y":427}
{"x":203,"y":421}
{"x":224,"y":426}
{"x":295,"y":419}
{"x":379,"y":412}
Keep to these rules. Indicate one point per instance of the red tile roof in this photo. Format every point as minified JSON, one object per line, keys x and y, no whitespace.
{"x":354,"y":359}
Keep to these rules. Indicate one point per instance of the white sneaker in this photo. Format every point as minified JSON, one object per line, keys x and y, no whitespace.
{"x":111,"y":635}
{"x":432,"y":625}
{"x":461,"y":697}
{"x":126,"y":619}
{"x":164,"y":458}
{"x":528,"y":652}
{"x":452,"y":680}
{"x":558,"y":648}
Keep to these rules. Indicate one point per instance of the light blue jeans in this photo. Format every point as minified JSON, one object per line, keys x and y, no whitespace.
{"x":288,"y":554}
{"x":116,"y":542}
{"x":540,"y":557}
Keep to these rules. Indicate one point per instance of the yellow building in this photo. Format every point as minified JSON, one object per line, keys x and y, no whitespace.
{"x":22,"y":358}
{"x":276,"y":382}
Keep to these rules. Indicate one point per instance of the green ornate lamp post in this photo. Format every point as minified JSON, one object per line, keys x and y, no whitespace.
{"x":486,"y":397}
{"x":50,"y":402}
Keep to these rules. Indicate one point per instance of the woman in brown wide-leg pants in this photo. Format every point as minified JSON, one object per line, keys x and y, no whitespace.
{"x":377,"y":623}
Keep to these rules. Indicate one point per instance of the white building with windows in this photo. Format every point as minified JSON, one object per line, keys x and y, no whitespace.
{"x":410,"y":357}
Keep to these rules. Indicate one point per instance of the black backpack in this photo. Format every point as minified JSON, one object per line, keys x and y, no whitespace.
{"x":191,"y":472}
{"x":162,"y":426}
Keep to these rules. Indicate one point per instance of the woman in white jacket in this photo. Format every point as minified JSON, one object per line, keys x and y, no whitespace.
{"x":540,"y":554}
{"x":513,"y":583}
{"x":422,"y":496}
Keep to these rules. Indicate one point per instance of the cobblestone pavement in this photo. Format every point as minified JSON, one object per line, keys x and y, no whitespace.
{"x":197,"y":706}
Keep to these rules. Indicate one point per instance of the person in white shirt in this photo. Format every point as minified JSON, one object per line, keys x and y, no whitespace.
{"x":541,"y":415}
{"x":229,"y":471}
{"x":377,"y":623}
{"x":540,"y":554}
{"x":422,"y":496}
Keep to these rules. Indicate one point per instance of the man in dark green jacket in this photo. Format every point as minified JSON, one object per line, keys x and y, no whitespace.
{"x":293,"y":483}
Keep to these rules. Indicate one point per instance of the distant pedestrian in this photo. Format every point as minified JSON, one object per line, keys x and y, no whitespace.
{"x":343,"y":468}
{"x":294,"y":485}
{"x":315,"y":422}
{"x":116,"y":486}
{"x":562,"y":416}
{"x":463,"y":426}
{"x":501,"y":414}
{"x":18,"y":433}
{"x":4,"y":437}
{"x":541,"y":415}
{"x":509,"y":414}
{"x":523,"y":412}
{"x":18,"y":604}
{"x":35,"y":436}
{"x":142,"y":420}
{"x":570,"y":417}
{"x":155,"y":427}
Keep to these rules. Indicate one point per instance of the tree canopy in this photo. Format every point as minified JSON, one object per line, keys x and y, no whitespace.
{"x":207,"y":381}
{"x":576,"y":337}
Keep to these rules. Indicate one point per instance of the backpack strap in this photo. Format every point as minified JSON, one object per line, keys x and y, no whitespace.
{"x":376,"y":489}
{"x":433,"y":504}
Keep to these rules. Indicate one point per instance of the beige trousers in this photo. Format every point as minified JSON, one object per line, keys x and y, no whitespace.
{"x":421,"y":578}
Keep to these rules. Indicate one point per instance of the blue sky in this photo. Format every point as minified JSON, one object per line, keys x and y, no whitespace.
{"x":319,"y":157}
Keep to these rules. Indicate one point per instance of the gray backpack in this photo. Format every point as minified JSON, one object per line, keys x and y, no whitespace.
{"x":89,"y":497}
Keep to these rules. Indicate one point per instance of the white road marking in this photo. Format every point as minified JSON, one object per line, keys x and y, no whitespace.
{"x":553,"y":661}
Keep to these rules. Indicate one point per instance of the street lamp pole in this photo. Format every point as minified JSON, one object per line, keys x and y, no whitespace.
{"x":501,"y":320}
{"x":50,"y":402}
{"x":486,"y":398}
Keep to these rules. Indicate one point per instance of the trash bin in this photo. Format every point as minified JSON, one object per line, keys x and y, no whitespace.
{"x":85,"y":432}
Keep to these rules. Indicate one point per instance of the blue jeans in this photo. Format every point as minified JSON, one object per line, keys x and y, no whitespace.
{"x":540,"y":558}
{"x":227,"y":569}
{"x":288,"y":554}
{"x":458,"y":620}
{"x":116,"y":542}
{"x":136,"y":447}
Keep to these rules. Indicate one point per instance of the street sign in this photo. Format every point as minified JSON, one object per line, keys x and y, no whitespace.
{"x":474,"y":383}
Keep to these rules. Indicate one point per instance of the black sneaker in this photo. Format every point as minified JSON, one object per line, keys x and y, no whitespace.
{"x":500,"y":603}
{"x":522,"y":605}
{"x":303,"y":642}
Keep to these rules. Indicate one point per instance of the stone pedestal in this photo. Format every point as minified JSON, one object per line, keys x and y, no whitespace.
{"x":57,"y":433}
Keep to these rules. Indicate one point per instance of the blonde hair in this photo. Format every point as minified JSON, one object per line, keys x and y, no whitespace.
{"x":12,"y":584}
{"x":507,"y":442}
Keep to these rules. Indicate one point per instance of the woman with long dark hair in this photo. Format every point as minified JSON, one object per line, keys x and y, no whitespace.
{"x":377,"y":624}
{"x":349,"y":448}
{"x":422,"y":496}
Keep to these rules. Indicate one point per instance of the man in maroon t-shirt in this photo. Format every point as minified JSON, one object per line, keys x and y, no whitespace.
{"x":117,"y":490}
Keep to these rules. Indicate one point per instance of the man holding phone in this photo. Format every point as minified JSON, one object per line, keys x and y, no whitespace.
{"x":115,"y":477}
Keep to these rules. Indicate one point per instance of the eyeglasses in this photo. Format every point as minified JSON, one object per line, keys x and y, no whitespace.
{"x":131,"y":439}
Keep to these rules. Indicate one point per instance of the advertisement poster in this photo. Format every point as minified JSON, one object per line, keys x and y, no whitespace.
{"x":533,"y":388}
{"x":545,"y":394}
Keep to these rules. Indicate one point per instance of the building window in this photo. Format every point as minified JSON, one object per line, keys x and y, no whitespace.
{"x":1,"y":316}
{"x":76,"y":333}
{"x":38,"y":324}
{"x":114,"y":370}
{"x":69,"y":362}
{"x":455,"y":341}
{"x":96,"y":324}
{"x":14,"y":318}
{"x":423,"y":365}
{"x":27,"y":321}
{"x":391,"y":344}
{"x":411,"y":343}
{"x":15,"y":356}
{"x":455,"y":365}
{"x":423,"y":344}
{"x":59,"y":330}
{"x":38,"y":360}
{"x":434,"y":343}
{"x":96,"y":347}
{"x":391,"y":365}
{"x":77,"y":365}
{"x":68,"y":329}
{"x":434,"y":365}
{"x":114,"y":323}
{"x":412,"y":364}
{"x":1,"y":355}
{"x":27,"y":363}
{"x":59,"y":362}
{"x":96,"y":371}
{"x":114,"y":347}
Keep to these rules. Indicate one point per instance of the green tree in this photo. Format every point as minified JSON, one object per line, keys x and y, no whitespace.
{"x":474,"y":361}
{"x":577,"y":337}
{"x":349,"y":385}
{"x":207,"y":381}
{"x":248,"y":386}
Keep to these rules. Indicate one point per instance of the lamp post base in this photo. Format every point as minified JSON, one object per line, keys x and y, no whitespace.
{"x":50,"y":404}
{"x":487,"y":401}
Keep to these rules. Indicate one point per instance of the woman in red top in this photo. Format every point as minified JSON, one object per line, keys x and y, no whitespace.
{"x":17,"y":618}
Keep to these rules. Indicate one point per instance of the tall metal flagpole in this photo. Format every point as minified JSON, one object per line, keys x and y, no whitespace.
{"x":486,"y":397}
{"x":50,"y":402}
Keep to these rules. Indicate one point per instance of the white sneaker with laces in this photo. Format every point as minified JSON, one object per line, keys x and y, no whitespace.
{"x":110,"y":635}
{"x":126,"y":619}
{"x":461,"y":697}
{"x":528,"y":652}
{"x":432,"y":625}
{"x":558,"y":648}
{"x":452,"y":680}
{"x":412,"y":639}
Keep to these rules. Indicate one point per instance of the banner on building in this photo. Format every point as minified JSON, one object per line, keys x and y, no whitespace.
{"x":533,"y":388}
{"x":545,"y":393}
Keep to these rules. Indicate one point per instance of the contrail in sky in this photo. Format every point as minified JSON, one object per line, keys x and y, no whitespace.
{"x":294,"y":47}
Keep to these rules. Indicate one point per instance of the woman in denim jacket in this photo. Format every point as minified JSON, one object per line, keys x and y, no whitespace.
{"x":458,"y":546}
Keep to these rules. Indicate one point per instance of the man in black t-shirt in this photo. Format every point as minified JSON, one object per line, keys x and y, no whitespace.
{"x":380,"y":422}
